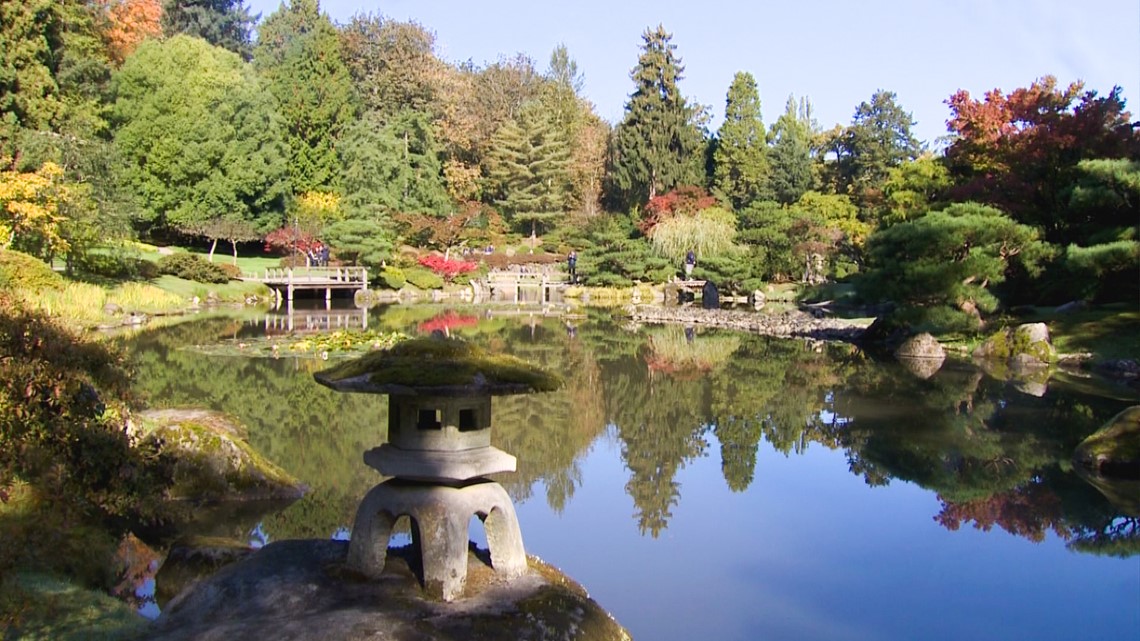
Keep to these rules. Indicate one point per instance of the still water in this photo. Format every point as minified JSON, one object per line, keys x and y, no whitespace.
{"x":727,"y":486}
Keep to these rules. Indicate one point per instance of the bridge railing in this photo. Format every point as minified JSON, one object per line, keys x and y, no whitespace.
{"x":341,"y":275}
{"x":526,"y":278}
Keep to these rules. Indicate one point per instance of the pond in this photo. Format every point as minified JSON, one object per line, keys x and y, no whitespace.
{"x":730,"y":486}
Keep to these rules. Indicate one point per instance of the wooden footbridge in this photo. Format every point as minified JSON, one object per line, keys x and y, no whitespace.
{"x":284,"y":281}
{"x":513,"y":284}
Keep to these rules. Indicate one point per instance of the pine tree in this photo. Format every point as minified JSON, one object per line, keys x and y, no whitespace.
{"x":658,"y":146}
{"x":740,"y":166}
{"x":790,"y":157}
{"x":224,"y":23}
{"x":878,"y":140}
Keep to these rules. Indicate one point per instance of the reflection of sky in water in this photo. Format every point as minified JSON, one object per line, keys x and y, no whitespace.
{"x":809,"y":551}
{"x":145,"y":594}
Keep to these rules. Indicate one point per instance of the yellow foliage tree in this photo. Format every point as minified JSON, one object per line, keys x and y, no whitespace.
{"x":30,"y":210}
{"x":316,"y":209}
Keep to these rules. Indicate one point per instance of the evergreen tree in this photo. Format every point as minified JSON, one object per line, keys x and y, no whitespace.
{"x":298,"y":55}
{"x":584,"y":131}
{"x":224,"y":23}
{"x":392,"y":167}
{"x":790,"y":156}
{"x":529,"y":168}
{"x":658,"y":145}
{"x":878,"y":140}
{"x":54,"y":71}
{"x":740,"y":166}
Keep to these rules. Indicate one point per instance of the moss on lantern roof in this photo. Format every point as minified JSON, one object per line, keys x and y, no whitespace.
{"x":438,"y":366}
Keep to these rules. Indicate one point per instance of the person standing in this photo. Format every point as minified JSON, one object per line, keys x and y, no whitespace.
{"x":690,"y":262}
{"x":572,"y":265}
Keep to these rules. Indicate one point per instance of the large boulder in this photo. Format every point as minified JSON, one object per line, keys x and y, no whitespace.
{"x":303,"y":589}
{"x":1114,"y":449}
{"x":921,"y":354}
{"x":213,"y":460}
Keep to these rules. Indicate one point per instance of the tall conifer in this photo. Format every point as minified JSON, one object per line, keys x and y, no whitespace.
{"x":740,"y":166}
{"x":658,"y":145}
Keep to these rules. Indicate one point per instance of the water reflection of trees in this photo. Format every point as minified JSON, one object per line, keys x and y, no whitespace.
{"x":311,"y":431}
{"x":996,"y":457}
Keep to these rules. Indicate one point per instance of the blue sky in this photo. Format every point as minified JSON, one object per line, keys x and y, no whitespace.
{"x":835,"y":52}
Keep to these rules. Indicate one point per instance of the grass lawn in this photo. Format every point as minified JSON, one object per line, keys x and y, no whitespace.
{"x":1109,"y":332}
{"x":253,"y":263}
{"x":235,"y":290}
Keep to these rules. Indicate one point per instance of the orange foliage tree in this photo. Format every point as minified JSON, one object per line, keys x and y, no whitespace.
{"x":129,"y":22}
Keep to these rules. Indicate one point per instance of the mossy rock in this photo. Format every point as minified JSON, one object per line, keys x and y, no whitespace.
{"x":1023,"y":346}
{"x":438,"y":366}
{"x":1114,"y":449}
{"x":213,"y":461}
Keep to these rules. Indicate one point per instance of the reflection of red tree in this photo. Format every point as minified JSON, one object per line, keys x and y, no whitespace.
{"x":686,"y":370}
{"x":1028,"y":510}
{"x":448,"y":321}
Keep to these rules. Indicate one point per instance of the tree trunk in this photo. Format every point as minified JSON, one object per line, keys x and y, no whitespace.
{"x":233,"y":243}
{"x":213,"y":246}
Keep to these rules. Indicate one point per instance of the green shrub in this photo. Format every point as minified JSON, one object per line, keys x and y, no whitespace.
{"x":22,"y":271}
{"x":62,"y":399}
{"x":192,"y":267}
{"x":115,"y":265}
{"x":392,"y":278}
{"x":423,"y":278}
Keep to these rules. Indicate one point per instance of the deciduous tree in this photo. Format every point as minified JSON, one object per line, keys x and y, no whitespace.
{"x":129,"y":22}
{"x":1019,"y":151}
{"x":393,"y":65}
{"x":200,"y":136}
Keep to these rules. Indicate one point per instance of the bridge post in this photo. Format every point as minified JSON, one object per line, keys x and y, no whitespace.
{"x":290,"y":292}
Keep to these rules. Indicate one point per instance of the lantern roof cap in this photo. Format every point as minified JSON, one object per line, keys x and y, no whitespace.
{"x":437,"y":366}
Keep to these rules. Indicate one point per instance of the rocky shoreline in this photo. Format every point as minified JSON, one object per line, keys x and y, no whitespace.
{"x":788,"y":324}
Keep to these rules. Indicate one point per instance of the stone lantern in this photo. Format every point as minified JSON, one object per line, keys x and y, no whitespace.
{"x":438,"y":455}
